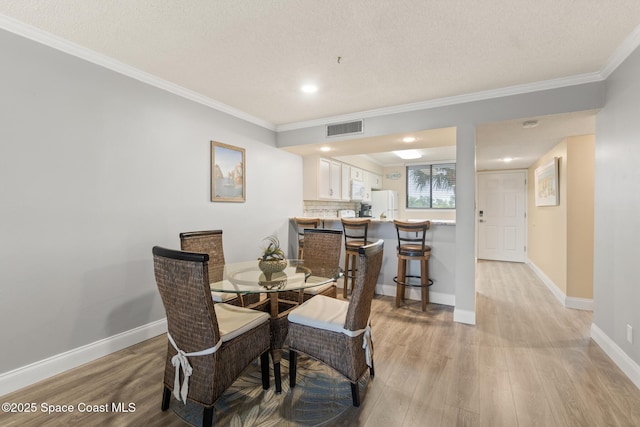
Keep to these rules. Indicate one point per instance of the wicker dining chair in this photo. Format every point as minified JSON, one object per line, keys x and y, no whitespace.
{"x":210,"y":242}
{"x":214,"y":341}
{"x":337,"y":332}
{"x":322,"y":256}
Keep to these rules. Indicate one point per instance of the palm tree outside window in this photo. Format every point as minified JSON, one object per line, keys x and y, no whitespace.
{"x":431,"y":186}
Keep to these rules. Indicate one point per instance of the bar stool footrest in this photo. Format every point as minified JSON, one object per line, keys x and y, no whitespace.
{"x":395,"y":279}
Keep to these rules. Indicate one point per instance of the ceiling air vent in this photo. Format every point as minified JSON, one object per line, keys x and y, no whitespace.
{"x":344,"y":128}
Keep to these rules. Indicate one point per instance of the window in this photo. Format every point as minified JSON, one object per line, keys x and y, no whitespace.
{"x":431,"y":186}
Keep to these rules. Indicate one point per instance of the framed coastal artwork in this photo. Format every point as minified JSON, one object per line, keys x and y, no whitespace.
{"x":546,"y":184}
{"x":227,"y":173}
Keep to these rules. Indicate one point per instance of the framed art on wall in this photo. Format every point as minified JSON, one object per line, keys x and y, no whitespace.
{"x":546,"y":184}
{"x":227,"y":173}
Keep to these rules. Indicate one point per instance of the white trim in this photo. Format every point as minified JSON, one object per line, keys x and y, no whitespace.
{"x":53,"y":41}
{"x":579,"y":303}
{"x":630,"y":368}
{"x":568,"y":302}
{"x":621,"y":53}
{"x":560,"y":296}
{"x":58,"y":43}
{"x":38,"y":371}
{"x":415,"y":294}
{"x":451,"y":100}
{"x":464,"y":316}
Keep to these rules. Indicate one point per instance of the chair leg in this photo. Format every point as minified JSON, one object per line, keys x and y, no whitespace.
{"x":424,"y":282}
{"x":277,"y":377}
{"x":402,"y":277}
{"x":355,"y":394}
{"x":207,"y":417}
{"x":293,"y":359}
{"x":372,"y":371}
{"x":346,"y":275}
{"x":264,"y":369}
{"x":166,"y":398}
{"x":353,"y":273}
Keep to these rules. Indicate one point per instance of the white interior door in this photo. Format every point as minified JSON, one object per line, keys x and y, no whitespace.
{"x":502,"y":216}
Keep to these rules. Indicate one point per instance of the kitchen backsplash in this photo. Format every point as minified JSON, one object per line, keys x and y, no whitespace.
{"x":327,"y":208}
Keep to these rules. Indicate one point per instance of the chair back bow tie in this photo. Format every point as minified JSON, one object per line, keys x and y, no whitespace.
{"x":181,"y":361}
{"x":367,"y":341}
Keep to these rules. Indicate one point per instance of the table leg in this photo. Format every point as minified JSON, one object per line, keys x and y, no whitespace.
{"x":273,"y":297}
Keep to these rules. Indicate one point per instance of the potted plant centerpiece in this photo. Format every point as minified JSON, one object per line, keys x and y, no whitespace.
{"x":272,"y":259}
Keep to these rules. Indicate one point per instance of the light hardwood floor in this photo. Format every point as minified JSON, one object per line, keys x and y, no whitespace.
{"x":527,"y":362}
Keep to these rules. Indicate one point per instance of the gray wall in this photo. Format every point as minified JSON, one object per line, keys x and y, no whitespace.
{"x":465,"y":116}
{"x":95,"y":169}
{"x":617,"y":208}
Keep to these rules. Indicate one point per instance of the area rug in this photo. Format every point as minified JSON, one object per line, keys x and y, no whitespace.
{"x":320,"y":396}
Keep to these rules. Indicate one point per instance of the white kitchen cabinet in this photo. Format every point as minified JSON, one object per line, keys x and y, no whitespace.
{"x":375,"y":181}
{"x":368,"y":178}
{"x":357,"y":173}
{"x":346,"y":183}
{"x":321,"y":179}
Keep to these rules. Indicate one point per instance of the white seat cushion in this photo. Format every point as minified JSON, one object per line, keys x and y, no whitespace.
{"x":318,"y":289}
{"x":222,"y":296}
{"x":234,"y":321}
{"x":321,"y":312}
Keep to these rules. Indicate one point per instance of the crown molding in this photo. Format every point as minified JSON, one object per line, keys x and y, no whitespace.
{"x":14,"y":26}
{"x":58,"y":43}
{"x":452,"y":100}
{"x":622,"y":52}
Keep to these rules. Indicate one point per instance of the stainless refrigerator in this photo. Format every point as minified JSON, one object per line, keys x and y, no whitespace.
{"x":384,"y":202}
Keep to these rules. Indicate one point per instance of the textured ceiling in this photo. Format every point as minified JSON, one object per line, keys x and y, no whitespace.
{"x":252,"y":56}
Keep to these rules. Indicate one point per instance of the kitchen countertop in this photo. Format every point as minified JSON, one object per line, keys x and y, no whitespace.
{"x":433,"y":221}
{"x":441,"y":238}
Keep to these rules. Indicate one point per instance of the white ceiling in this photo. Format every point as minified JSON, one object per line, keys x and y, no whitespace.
{"x":252,"y":56}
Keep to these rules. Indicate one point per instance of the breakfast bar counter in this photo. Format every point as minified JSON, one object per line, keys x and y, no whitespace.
{"x":442,"y":239}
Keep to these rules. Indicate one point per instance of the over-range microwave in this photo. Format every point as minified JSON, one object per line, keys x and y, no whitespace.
{"x":357,"y":189}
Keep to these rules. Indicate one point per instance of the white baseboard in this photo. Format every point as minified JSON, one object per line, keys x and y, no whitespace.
{"x":568,"y":302}
{"x":579,"y":303}
{"x":38,"y":371}
{"x":464,"y":316}
{"x":619,"y":357}
{"x":415,"y":294}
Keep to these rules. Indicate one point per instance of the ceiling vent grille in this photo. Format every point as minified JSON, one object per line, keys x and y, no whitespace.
{"x":344,"y":128}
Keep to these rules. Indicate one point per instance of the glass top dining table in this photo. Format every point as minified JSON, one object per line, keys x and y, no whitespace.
{"x":247,"y":278}
{"x":244,"y":278}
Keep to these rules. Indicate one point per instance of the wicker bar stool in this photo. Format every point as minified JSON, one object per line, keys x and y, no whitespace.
{"x":355,"y":236}
{"x":301,"y":224}
{"x":411,"y":246}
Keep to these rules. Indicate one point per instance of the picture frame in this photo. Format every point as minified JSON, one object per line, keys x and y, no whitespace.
{"x":546,"y":184}
{"x":228,"y":182}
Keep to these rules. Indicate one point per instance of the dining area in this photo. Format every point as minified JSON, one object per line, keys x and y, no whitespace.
{"x":225,"y":318}
{"x":429,"y":370}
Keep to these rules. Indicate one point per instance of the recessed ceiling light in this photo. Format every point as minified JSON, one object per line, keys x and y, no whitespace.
{"x":408,"y":139}
{"x":529,"y":124}
{"x":309,"y":88}
{"x":507,"y":159}
{"x":325,"y":148}
{"x":408,"y":154}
